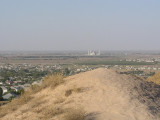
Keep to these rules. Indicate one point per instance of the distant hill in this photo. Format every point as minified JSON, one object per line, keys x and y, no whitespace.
{"x":100,"y":94}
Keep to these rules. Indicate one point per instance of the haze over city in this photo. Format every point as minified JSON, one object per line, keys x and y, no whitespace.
{"x":79,"y":25}
{"x":79,"y":60}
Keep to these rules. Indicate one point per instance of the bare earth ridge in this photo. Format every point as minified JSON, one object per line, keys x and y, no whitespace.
{"x":104,"y":94}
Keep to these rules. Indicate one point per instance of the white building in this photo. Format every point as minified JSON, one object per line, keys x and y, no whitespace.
{"x":93,"y":53}
{"x":4,"y":89}
{"x":9,"y":95}
{"x":1,"y":83}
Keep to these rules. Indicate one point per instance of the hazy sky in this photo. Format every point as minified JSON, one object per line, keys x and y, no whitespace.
{"x":79,"y":24}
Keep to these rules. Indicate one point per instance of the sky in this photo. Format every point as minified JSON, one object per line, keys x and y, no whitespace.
{"x":48,"y":25}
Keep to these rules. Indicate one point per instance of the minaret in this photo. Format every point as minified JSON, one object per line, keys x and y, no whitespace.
{"x":88,"y":52}
{"x":99,"y":52}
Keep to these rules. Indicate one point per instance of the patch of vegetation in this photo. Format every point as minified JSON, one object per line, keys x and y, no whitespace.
{"x":38,"y":110}
{"x":25,"y":110}
{"x":52,"y":80}
{"x":35,"y":88}
{"x":70,"y":91}
{"x":29,"y":75}
{"x":15,"y":104}
{"x":49,"y":81}
{"x":78,"y":90}
{"x":37,"y":103}
{"x":51,"y":112}
{"x":75,"y":114}
{"x":59,"y":100}
{"x":133,"y":72}
{"x":1,"y":93}
{"x":24,"y":98}
{"x":115,"y":63}
{"x":155,"y":78}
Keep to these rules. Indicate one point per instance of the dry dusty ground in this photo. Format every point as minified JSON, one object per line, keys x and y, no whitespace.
{"x":104,"y":95}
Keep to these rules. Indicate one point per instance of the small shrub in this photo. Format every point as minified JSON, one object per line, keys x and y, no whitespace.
{"x":38,"y":110}
{"x":1,"y":93}
{"x":26,"y":97}
{"x":68,"y":92}
{"x":78,"y":90}
{"x":155,"y":78}
{"x":35,"y":88}
{"x":52,"y":80}
{"x":75,"y":114}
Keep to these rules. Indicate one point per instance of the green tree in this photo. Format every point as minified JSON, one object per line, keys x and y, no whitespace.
{"x":66,"y":71}
{"x":1,"y":93}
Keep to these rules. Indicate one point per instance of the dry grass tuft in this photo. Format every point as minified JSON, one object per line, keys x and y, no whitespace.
{"x":14,"y":104}
{"x":52,"y":80}
{"x":38,"y":110}
{"x":25,"y":98}
{"x":59,"y":100}
{"x":3,"y":103}
{"x":2,"y":113}
{"x":25,"y":110}
{"x":75,"y":114}
{"x":52,"y":112}
{"x":68,"y":92}
{"x":35,"y":88}
{"x":49,"y":81}
{"x":155,"y":78}
{"x":38,"y":103}
{"x":78,"y":90}
{"x":75,"y":90}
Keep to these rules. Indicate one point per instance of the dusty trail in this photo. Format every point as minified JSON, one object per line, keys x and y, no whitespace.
{"x":110,"y":96}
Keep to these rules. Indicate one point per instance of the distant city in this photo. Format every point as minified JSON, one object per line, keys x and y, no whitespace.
{"x":20,"y":70}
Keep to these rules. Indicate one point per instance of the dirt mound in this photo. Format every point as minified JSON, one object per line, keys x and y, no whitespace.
{"x":103,"y":94}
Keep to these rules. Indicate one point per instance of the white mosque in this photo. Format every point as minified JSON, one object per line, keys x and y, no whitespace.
{"x":94,"y":53}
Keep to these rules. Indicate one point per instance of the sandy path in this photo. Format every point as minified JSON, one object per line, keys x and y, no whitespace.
{"x":109,"y":97}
